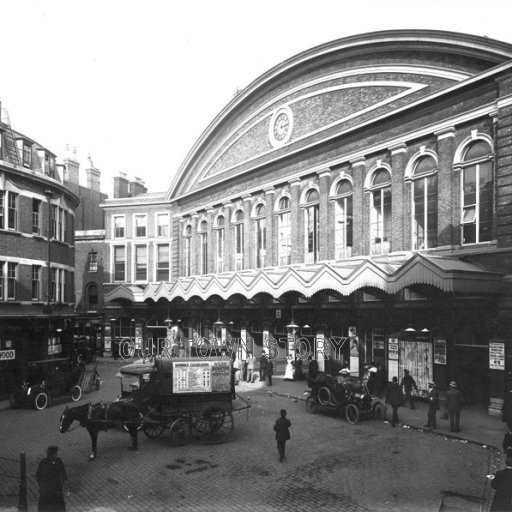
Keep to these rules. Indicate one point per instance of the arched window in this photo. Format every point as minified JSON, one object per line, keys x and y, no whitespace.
{"x":92,"y":297}
{"x":284,"y":232}
{"x":477,"y":193}
{"x":343,"y":232}
{"x":219,"y":239}
{"x":188,"y":248}
{"x":380,"y":212}
{"x":311,"y":226}
{"x":261,"y":235}
{"x":424,"y":203}
{"x":238,"y":228}
{"x":203,"y":247}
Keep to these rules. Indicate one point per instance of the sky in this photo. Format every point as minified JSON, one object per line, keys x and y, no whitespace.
{"x":133,"y":84}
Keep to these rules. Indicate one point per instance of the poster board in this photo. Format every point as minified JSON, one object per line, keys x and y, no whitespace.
{"x":439,"y":351}
{"x":201,"y":376}
{"x":496,"y":355}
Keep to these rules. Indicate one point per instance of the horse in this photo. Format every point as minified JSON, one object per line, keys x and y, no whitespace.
{"x":102,"y":416}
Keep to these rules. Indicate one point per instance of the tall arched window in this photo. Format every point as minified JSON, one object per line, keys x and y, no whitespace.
{"x":424,"y":203}
{"x":92,"y":297}
{"x":380,"y":212}
{"x":219,"y":236}
{"x":188,"y":248}
{"x":239,"y":239}
{"x":203,"y":248}
{"x":311,"y":226}
{"x":284,"y":248}
{"x":477,"y":193}
{"x":261,"y":235}
{"x":343,"y":233}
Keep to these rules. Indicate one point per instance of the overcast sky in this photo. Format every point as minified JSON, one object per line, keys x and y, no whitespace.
{"x":135,"y":83}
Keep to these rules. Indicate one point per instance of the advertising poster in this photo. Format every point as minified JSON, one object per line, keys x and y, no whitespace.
{"x":496,"y":356}
{"x":439,"y":351}
{"x":201,"y":376}
{"x":393,"y":349}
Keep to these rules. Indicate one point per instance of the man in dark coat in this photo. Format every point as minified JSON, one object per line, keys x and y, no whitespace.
{"x":433,"y":405}
{"x":394,"y":398}
{"x":502,"y":483}
{"x":263,"y":366}
{"x":269,"y":371}
{"x":50,"y":477}
{"x":312,"y":368}
{"x":408,"y":384}
{"x":281,"y":428}
{"x":454,"y":406}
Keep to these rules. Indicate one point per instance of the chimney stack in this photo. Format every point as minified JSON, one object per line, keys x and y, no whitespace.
{"x":137,"y":187}
{"x":121,"y":186}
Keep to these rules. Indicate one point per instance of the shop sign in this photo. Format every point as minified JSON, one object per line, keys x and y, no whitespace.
{"x":393,"y":348}
{"x":496,"y":356}
{"x":7,"y":355}
{"x":439,"y":351}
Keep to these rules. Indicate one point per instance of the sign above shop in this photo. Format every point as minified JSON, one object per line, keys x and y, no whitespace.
{"x":496,"y":355}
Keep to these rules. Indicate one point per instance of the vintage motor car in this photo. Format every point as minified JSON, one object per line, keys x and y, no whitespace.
{"x":49,"y":380}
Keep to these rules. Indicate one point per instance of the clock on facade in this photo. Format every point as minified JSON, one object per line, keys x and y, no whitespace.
{"x":281,"y":125}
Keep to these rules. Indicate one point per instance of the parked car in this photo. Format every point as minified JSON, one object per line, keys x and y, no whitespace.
{"x":48,"y":380}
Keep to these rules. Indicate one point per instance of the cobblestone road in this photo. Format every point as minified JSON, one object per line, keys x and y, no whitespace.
{"x":329,"y":465}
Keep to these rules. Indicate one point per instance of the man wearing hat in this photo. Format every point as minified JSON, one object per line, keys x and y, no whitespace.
{"x":433,"y":405}
{"x":50,"y":477}
{"x":454,"y":405}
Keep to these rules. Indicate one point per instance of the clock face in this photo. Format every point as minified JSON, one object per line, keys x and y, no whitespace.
{"x":281,"y":126}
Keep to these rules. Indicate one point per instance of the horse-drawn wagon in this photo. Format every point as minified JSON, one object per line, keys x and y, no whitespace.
{"x":192,"y":398}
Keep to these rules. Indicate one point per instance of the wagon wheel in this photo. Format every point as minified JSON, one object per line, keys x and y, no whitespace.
{"x":76,"y":393}
{"x":41,"y":401}
{"x":152,"y":428}
{"x":379,"y":410}
{"x":352,"y":414}
{"x":215,"y":425}
{"x":180,"y":432}
{"x":311,"y":405}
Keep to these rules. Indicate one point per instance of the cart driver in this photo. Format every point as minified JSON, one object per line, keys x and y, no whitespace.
{"x":343,"y":388}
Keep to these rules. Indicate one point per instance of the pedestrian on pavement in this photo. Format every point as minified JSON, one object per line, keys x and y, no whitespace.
{"x":263,"y":366}
{"x":433,"y":405}
{"x":394,"y":398}
{"x":288,"y":372}
{"x":501,"y":482}
{"x":454,"y":405}
{"x":298,"y":374}
{"x":281,"y":428}
{"x":507,"y":443}
{"x":51,"y":475}
{"x":371,"y":378}
{"x":408,"y":384}
{"x":250,"y":366}
{"x":312,"y":368}
{"x":380,"y":380}
{"x":269,"y":371}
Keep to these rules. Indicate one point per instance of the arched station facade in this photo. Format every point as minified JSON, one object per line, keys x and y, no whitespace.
{"x":355,"y":199}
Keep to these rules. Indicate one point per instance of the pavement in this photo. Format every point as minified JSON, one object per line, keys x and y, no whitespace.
{"x":330,"y":464}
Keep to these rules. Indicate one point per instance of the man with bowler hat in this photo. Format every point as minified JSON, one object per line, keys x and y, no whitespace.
{"x":50,"y":477}
{"x":281,"y":428}
{"x":394,"y":398}
{"x":454,"y":405}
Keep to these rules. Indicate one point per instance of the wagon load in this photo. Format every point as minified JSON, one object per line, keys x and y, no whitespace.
{"x":193,"y":398}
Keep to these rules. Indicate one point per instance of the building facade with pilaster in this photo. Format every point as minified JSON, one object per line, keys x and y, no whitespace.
{"x":353,"y":203}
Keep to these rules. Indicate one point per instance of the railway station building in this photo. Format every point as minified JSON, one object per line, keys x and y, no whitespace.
{"x":353,"y":202}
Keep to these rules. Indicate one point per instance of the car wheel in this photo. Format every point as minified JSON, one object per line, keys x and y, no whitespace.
{"x":41,"y":401}
{"x":352,"y":414}
{"x":76,"y":393}
{"x":324,"y":396}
